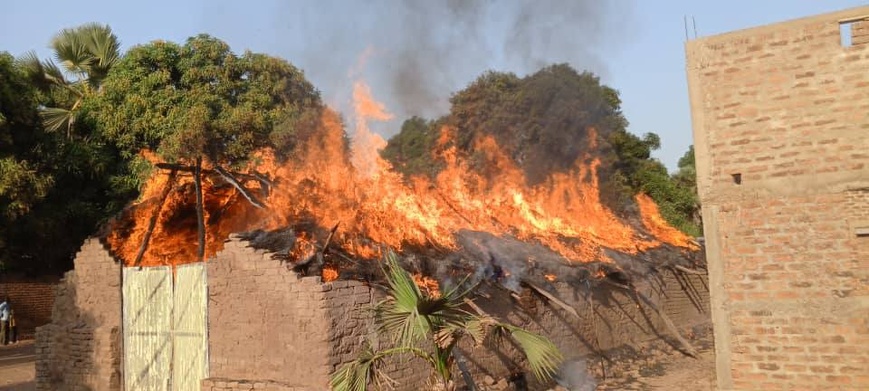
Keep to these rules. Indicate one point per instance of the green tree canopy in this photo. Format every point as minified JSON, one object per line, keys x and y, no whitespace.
{"x":545,"y":122}
{"x":410,"y":151}
{"x":22,"y":182}
{"x":199,"y":100}
{"x":53,"y":189}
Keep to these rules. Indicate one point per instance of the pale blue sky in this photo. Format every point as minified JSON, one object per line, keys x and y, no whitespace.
{"x":636,"y":46}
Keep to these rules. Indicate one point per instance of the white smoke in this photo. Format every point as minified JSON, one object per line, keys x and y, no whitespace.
{"x":574,"y":376}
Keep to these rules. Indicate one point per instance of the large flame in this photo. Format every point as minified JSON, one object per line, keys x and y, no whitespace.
{"x":376,"y":207}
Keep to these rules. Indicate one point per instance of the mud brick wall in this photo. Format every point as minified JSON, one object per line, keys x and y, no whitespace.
{"x":266,"y":325}
{"x":32,"y":302}
{"x":80,"y":348}
{"x":781,"y":129}
{"x":608,"y":319}
{"x":264,"y":322}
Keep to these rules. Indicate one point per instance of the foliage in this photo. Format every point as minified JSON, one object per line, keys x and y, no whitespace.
{"x":22,"y":183}
{"x":686,"y":179}
{"x":53,"y":189}
{"x":429,"y":328}
{"x":86,"y":53}
{"x":546,"y":122}
{"x":411,"y":150}
{"x":199,"y":100}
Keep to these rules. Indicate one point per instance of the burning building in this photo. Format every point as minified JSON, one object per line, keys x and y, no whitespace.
{"x":292,"y":249}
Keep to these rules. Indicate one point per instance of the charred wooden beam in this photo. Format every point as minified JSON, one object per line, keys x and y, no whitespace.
{"x":553,"y":299}
{"x":230,"y":177}
{"x":329,"y":238}
{"x":227,"y":176}
{"x":639,"y":296}
{"x":689,"y":271}
{"x":689,"y":349}
{"x":476,"y":308}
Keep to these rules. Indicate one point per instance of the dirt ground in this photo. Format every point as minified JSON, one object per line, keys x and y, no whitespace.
{"x":17,"y":367}
{"x":660,"y":366}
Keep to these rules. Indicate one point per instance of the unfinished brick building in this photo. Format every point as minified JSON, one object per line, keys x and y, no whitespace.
{"x":781,"y":129}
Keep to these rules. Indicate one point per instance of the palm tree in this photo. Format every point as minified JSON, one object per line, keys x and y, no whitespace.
{"x":86,"y":53}
{"x":429,"y":327}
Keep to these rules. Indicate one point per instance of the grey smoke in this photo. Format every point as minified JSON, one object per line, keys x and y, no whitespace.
{"x":425,"y":50}
{"x":574,"y":376}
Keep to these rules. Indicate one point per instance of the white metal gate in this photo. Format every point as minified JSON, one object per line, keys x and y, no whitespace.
{"x":165,"y":321}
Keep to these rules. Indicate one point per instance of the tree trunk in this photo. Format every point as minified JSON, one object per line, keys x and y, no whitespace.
{"x":200,"y":216}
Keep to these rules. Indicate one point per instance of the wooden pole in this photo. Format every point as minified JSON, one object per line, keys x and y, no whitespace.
{"x":200,"y":216}
{"x":154,"y":217}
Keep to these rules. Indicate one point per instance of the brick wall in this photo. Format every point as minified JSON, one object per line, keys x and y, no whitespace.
{"x":264,"y":323}
{"x":781,"y":118}
{"x":32,"y":302}
{"x":267,"y":325}
{"x":80,"y":348}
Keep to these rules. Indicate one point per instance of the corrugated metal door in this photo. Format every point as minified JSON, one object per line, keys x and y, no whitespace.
{"x":190,"y":323}
{"x":147,"y":328}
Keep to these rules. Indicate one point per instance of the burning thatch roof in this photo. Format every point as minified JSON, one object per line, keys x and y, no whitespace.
{"x":492,"y":226}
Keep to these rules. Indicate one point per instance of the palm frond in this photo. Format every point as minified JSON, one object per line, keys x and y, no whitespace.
{"x":410,"y":315}
{"x":56,"y":119}
{"x":31,"y":64}
{"x":103,"y":45}
{"x":43,"y":74}
{"x":71,"y":53}
{"x":356,"y":375}
{"x":399,"y":314}
{"x":543,"y":356}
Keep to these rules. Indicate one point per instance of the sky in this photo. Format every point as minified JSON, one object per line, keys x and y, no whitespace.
{"x":414,"y":54}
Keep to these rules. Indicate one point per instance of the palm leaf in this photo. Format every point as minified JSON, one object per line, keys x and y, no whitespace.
{"x":55,"y":119}
{"x":71,"y":53}
{"x":409,"y":315}
{"x":543,"y":356}
{"x":103,"y":45}
{"x":399,"y":314}
{"x":356,"y":375}
{"x":43,"y":74}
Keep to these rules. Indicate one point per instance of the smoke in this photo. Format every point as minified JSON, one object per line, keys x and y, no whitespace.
{"x":574,"y":376}
{"x":425,"y":50}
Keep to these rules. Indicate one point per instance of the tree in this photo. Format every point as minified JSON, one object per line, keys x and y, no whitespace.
{"x":23,"y":182}
{"x":410,"y":151}
{"x":198,"y":102}
{"x":52,"y":189}
{"x":686,"y":177}
{"x":546,"y":122}
{"x":87,"y":54}
{"x":429,"y":327}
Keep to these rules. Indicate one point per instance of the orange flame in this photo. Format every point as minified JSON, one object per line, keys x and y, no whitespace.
{"x":330,"y":274}
{"x":427,"y":284}
{"x":659,"y":227}
{"x":377,"y":207}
